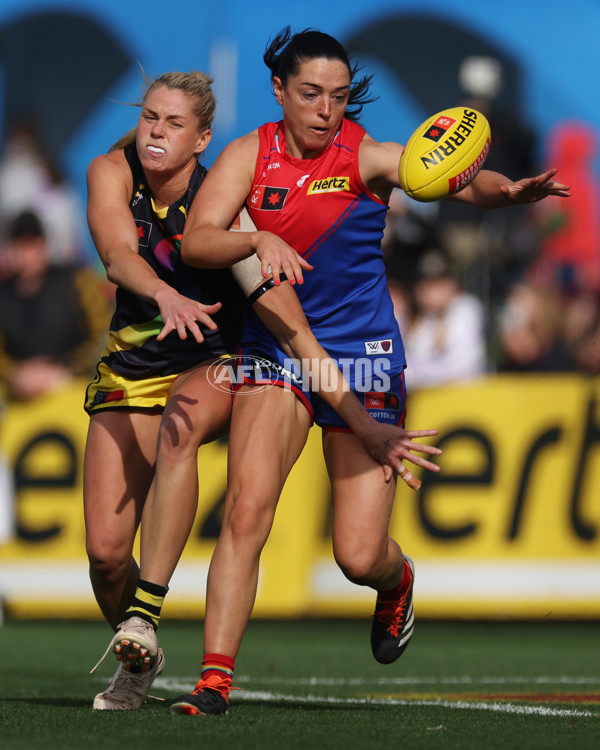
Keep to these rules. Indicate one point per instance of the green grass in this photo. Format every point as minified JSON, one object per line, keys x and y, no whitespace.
{"x":314,"y":684}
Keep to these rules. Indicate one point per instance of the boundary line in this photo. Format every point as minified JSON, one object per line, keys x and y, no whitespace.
{"x":267,"y":696}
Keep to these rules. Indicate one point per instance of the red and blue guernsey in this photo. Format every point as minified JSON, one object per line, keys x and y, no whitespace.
{"x":322,"y":208}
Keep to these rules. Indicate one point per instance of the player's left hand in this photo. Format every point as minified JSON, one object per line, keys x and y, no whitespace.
{"x":533,"y":189}
{"x":276,"y":256}
{"x":391,"y":446}
{"x":182,"y":314}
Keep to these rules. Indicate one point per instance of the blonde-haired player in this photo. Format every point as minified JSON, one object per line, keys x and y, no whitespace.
{"x":152,"y":403}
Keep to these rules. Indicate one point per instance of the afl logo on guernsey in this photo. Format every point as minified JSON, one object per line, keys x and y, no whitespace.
{"x":329,"y":185}
{"x":266,"y":198}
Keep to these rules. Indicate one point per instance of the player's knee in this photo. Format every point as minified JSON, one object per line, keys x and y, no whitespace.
{"x":108,"y":562}
{"x":361,"y":566}
{"x":248,"y":520}
{"x":184,"y":428}
{"x":178,"y":433}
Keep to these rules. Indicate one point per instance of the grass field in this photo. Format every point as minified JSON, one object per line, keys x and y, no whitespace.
{"x":313,"y":684}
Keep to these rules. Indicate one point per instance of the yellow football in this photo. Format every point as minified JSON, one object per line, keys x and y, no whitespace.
{"x":444,"y":153}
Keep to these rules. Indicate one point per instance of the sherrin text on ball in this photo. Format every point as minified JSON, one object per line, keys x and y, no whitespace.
{"x":444,"y":153}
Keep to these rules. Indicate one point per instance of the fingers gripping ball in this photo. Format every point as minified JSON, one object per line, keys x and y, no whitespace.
{"x":444,"y":154}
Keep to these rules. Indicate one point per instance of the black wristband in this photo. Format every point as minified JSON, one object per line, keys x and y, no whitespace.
{"x":264,"y":287}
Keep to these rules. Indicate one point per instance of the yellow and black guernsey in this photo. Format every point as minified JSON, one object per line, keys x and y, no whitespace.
{"x":132,"y":351}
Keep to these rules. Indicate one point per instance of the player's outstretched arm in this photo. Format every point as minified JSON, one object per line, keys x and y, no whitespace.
{"x":494,"y":190}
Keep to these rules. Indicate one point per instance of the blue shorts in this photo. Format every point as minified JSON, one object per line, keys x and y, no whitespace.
{"x":380,"y":389}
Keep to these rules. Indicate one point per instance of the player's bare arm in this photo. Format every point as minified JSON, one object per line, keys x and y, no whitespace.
{"x":378,"y":166}
{"x":206,"y":244}
{"x":494,"y":190}
{"x":115,"y":236}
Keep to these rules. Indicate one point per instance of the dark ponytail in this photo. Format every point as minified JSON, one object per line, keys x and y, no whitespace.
{"x":286,"y":52}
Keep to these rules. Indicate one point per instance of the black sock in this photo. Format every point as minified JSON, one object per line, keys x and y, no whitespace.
{"x":147,"y":602}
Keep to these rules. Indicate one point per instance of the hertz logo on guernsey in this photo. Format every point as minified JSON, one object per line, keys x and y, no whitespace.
{"x":329,"y":185}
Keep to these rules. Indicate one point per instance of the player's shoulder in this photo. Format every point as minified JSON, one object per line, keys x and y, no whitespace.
{"x":243,"y":142}
{"x":114,"y":161}
{"x":242,"y":151}
{"x":110,"y":167}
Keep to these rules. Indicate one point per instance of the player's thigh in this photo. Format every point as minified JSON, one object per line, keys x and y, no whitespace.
{"x":119,"y":462}
{"x":362,"y":501}
{"x":269,"y":428}
{"x":198,"y":407}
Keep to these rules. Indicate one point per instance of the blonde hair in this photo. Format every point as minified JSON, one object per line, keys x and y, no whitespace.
{"x":196,"y":84}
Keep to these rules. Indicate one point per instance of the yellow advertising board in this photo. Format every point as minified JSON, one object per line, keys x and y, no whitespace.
{"x":509,"y":528}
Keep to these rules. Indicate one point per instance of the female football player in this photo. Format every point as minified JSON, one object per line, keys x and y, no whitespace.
{"x":153,"y":402}
{"x":318,"y":183}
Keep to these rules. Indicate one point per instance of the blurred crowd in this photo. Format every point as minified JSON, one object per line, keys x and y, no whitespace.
{"x":514,"y":290}
{"x":475,"y":292}
{"x":54,"y":305}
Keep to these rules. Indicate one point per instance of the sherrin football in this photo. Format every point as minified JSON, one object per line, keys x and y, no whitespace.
{"x":444,"y":154}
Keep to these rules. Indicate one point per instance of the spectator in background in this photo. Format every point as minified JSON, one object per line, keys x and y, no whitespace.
{"x":52,"y":318}
{"x":570,"y":249}
{"x":559,"y":310}
{"x":587,"y":354}
{"x":402,"y":302}
{"x":445,"y":341}
{"x":581,"y":330}
{"x":530,"y":331}
{"x":410,"y":228}
{"x":31,"y":179}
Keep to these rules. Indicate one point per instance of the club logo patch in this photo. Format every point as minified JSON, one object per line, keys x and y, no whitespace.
{"x":104,"y":397}
{"x":384,"y":346}
{"x":382,"y":401}
{"x":265,"y":198}
{"x":144,"y":228}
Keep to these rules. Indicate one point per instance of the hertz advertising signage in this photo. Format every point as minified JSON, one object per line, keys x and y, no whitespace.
{"x":509,"y":528}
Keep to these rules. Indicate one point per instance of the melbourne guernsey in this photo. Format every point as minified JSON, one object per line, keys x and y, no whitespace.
{"x":322,"y":208}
